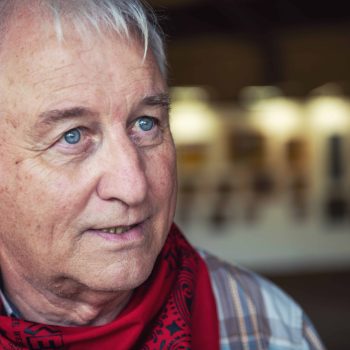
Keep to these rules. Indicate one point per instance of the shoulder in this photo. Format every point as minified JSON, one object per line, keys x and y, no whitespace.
{"x":254,"y":313}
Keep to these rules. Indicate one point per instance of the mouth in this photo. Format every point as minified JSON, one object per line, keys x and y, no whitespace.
{"x":117,"y":230}
{"x":121,"y":234}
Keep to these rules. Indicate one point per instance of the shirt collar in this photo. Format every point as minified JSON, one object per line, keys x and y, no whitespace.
{"x":7,"y":306}
{"x":10,"y":309}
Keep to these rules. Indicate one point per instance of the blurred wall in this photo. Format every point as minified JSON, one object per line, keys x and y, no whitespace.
{"x":305,"y":58}
{"x":261,"y":118}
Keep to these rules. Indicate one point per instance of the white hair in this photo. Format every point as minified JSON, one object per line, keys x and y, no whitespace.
{"x":121,"y":16}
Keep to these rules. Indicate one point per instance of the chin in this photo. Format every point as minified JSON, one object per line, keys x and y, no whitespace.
{"x":116,"y":280}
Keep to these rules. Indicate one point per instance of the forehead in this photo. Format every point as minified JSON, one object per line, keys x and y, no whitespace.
{"x":36,"y":66}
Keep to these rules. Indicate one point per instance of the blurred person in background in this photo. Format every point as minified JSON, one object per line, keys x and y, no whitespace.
{"x":89,"y":255}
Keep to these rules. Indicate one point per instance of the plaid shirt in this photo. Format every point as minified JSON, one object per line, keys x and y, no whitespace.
{"x":256,"y":315}
{"x":253,"y":313}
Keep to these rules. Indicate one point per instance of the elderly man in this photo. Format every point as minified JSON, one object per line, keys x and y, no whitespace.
{"x":89,"y":256}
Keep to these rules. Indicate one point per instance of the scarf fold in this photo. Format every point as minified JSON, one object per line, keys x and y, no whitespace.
{"x":174,"y":309}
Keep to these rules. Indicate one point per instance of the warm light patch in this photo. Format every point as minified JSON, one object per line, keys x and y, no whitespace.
{"x":329,"y":114}
{"x":278,"y":116}
{"x":192,"y":119}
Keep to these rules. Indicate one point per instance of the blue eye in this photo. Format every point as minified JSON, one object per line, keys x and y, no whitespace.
{"x":146,"y":123}
{"x":72,"y":136}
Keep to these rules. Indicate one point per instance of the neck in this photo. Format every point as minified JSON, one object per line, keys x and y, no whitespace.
{"x":64,"y":303}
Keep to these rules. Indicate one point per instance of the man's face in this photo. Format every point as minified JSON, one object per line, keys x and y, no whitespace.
{"x":85,"y":148}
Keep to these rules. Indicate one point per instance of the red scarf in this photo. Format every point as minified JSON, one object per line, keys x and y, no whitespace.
{"x":173,"y":309}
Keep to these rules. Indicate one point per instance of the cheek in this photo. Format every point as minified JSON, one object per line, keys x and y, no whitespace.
{"x":42,"y":197}
{"x":161,"y":174}
{"x":33,"y":211}
{"x":10,"y":189}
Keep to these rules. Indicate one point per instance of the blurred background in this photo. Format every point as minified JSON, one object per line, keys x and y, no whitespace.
{"x":261,"y":120}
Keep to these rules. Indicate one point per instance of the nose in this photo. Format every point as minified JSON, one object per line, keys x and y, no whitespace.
{"x":122,"y":172}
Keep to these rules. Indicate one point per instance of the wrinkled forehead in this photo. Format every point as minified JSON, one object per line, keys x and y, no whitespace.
{"x":36,"y":68}
{"x":24,"y":23}
{"x":33,"y":37}
{"x":21,"y":23}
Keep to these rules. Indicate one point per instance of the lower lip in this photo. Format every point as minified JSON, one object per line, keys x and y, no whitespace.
{"x":136,"y":233}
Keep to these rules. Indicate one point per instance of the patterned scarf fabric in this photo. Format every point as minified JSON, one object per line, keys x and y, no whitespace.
{"x":174,"y":309}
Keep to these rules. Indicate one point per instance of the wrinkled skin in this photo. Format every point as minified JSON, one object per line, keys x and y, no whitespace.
{"x":56,"y":195}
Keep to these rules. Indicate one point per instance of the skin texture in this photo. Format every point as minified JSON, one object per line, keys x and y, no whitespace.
{"x":55,"y":197}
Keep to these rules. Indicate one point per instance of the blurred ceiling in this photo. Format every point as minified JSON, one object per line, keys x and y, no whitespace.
{"x":230,"y":44}
{"x":191,"y":17}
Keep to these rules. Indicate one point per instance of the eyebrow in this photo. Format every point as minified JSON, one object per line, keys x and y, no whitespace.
{"x":56,"y":115}
{"x":162,"y":100}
